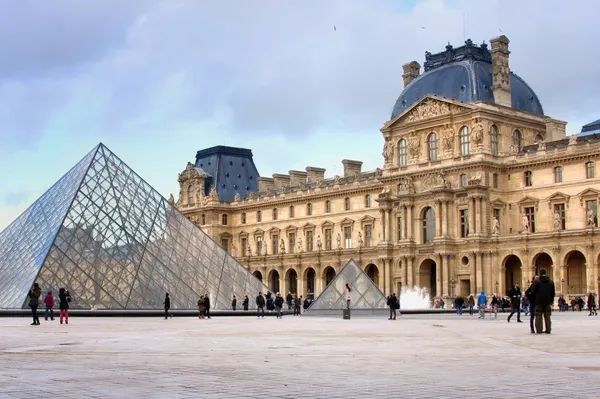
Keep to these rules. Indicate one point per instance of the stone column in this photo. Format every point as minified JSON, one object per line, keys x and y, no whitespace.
{"x":410,"y":272}
{"x":479,"y":266}
{"x":473,"y":273}
{"x":445,"y":219}
{"x":438,"y":277}
{"x":487,"y":273}
{"x":471,"y":216}
{"x":479,"y":215}
{"x":387,"y":276}
{"x":409,"y":222}
{"x":404,"y":222}
{"x":438,"y":219}
{"x":404,"y":267}
{"x":390,"y":226}
{"x":445,"y":275}
{"x":299,"y":283}
{"x":383,"y":229}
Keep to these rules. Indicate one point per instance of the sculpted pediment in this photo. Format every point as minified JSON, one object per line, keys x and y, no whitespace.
{"x":558,"y":197}
{"x":429,"y":107}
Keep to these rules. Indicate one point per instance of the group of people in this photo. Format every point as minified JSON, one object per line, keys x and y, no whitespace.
{"x":277,"y":304}
{"x":64,"y":297}
{"x":394,"y":304}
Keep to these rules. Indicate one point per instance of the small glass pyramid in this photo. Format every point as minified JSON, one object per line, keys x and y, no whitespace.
{"x":366,"y":296}
{"x":114,"y":242}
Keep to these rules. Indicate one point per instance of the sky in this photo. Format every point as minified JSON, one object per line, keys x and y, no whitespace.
{"x":158,"y":80}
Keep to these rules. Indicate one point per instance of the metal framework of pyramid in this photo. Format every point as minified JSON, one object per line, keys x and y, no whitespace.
{"x":114,"y":242}
{"x":367,"y":299}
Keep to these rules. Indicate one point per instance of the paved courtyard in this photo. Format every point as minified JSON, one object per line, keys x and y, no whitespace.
{"x":424,"y":356}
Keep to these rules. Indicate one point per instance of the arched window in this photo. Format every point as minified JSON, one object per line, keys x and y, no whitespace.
{"x":494,"y":140}
{"x":368,"y":201}
{"x":190,"y":195}
{"x":224,"y":220}
{"x":258,"y":216}
{"x":347,"y":203}
{"x":590,"y":171}
{"x":327,"y":206}
{"x":558,"y":174}
{"x":275,"y":214}
{"x":402,"y":153}
{"x":309,"y":209}
{"x":538,"y":138}
{"x":428,"y":225}
{"x":432,"y":145}
{"x":292,"y":211}
{"x":517,"y":141}
{"x":465,"y":140}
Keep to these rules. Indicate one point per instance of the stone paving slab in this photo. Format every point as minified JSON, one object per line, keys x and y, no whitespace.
{"x":429,"y":356}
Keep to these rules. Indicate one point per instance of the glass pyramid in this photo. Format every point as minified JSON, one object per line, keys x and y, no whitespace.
{"x":114,"y":242}
{"x":366,"y":296}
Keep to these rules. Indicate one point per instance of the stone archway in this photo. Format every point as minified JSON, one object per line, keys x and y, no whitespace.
{"x":328,"y":275}
{"x":310,"y":278}
{"x":292,"y":282}
{"x":513,"y":273}
{"x":427,"y":277}
{"x":373,"y":273}
{"x":576,"y":276}
{"x":543,"y":261}
{"x":258,"y":275}
{"x":274,"y":281}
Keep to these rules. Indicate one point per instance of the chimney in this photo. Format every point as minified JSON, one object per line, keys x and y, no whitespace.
{"x":314,"y":174}
{"x":281,"y":181}
{"x":265,"y":183}
{"x":501,"y":71}
{"x":351,"y":168}
{"x":297,"y":178}
{"x":411,"y":72}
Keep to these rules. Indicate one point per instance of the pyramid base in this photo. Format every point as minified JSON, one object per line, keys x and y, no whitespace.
{"x":138,"y":313}
{"x":356,"y":313}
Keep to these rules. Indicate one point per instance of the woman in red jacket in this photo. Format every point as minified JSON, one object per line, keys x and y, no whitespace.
{"x":49,"y":301}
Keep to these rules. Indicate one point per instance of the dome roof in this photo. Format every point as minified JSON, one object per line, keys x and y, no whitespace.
{"x":464,"y":74}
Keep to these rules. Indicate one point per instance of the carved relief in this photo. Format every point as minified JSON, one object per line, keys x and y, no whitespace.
{"x":213,"y":193}
{"x":448,"y":139}
{"x":414,"y":145}
{"x":435,"y":180}
{"x":406,"y":184}
{"x":428,"y":109}
{"x":388,"y":151}
{"x":477,"y":133}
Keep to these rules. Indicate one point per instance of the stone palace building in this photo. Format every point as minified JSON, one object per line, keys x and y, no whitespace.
{"x":478,"y":189}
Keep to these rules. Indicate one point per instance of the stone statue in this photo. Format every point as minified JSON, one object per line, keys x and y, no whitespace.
{"x":573,"y":139}
{"x":360,"y":240}
{"x":414,"y":145}
{"x":171,"y":199}
{"x":213,"y":193}
{"x":407,"y":184}
{"x":282,"y":247}
{"x":336,"y":179}
{"x":265,"y":249}
{"x":339,"y":241}
{"x":299,"y":244}
{"x":477,"y":135}
{"x":319,"y":243}
{"x":205,"y":201}
{"x":496,"y":227}
{"x":233,"y":250}
{"x":388,"y":151}
{"x":525,"y":224}
{"x":236,"y":197}
{"x":378,"y":172}
{"x":448,"y":139}
{"x":249,"y":250}
{"x":591,"y":218}
{"x":557,"y":221}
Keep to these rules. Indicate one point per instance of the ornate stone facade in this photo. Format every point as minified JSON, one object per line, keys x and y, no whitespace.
{"x":449,"y":218}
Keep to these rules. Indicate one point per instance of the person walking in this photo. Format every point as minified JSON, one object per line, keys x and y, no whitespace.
{"x":529,"y":296}
{"x":278,"y":305}
{"x":64,"y":297}
{"x":234,"y":303}
{"x":392,"y":302}
{"x":207,"y":306}
{"x":34,"y":302}
{"x":289,"y":299}
{"x":245,"y":302}
{"x":49,"y":301}
{"x":515,"y":303}
{"x":260,"y":305}
{"x":348,"y":296}
{"x":167,"y":304}
{"x":458,"y":305}
{"x":471,"y":302}
{"x":201,"y":307}
{"x":591,"y":303}
{"x":481,"y":304}
{"x":543,"y":292}
{"x":298,"y":305}
{"x":269,"y":298}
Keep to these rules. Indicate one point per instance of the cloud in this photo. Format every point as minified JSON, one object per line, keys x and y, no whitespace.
{"x":15,"y":198}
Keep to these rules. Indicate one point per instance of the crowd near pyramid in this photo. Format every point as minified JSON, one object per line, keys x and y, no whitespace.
{"x":114,"y":242}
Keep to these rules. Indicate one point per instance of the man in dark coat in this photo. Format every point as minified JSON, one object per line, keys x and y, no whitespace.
{"x":543,"y":292}
{"x":289,"y":299}
{"x":515,"y":302}
{"x":167,"y":304}
{"x":234,"y":303}
{"x":531,"y":299}
{"x":260,"y":305}
{"x":207,"y":306}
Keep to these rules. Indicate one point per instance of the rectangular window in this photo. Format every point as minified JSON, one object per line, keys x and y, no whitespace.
{"x":309,"y":241}
{"x":327,"y":206}
{"x":464,"y":222}
{"x":558,"y":174}
{"x":259,"y":250}
{"x":259,"y":216}
{"x":292,"y":242}
{"x":590,"y":171}
{"x":367,"y":201}
{"x":225,"y":244}
{"x":224,"y":220}
{"x":560,"y":210}
{"x":530,"y":213}
{"x":399,"y":227}
{"x":244,"y":244}
{"x":495,"y":180}
{"x":275,"y":244}
{"x":348,"y":236}
{"x":244,"y":218}
{"x":463,"y":180}
{"x":591,"y":208}
{"x":528,"y":179}
{"x":328,"y":239}
{"x":368,"y":235}
{"x":347,"y":204}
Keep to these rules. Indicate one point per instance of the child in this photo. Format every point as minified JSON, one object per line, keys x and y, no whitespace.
{"x":49,"y":301}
